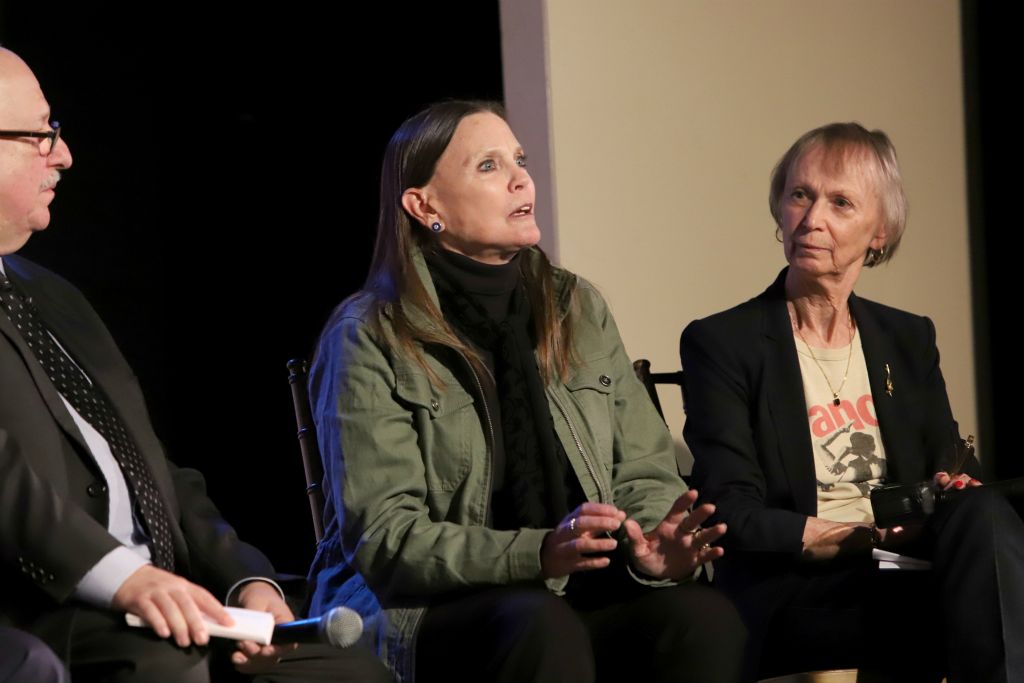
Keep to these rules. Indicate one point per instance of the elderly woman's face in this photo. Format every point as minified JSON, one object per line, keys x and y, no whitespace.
{"x":481,"y":192}
{"x":831,"y":214}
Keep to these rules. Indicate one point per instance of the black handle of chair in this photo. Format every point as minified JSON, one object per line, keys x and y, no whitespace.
{"x":298,"y":373}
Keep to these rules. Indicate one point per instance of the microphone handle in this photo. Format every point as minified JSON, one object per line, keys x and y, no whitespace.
{"x":304,"y":632}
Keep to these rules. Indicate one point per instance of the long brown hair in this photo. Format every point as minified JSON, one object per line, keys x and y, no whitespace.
{"x":393,"y":286}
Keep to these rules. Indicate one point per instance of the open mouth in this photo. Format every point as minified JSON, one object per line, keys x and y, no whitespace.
{"x":524,"y":210}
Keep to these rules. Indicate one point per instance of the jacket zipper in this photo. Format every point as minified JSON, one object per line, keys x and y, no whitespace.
{"x":605,"y":497}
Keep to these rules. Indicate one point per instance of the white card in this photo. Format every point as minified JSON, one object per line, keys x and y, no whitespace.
{"x":888,"y":560}
{"x":250,"y":624}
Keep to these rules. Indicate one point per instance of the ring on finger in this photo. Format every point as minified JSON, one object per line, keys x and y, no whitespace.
{"x":574,"y":527}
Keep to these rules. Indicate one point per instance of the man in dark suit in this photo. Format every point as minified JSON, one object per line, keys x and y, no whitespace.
{"x":94,"y":520}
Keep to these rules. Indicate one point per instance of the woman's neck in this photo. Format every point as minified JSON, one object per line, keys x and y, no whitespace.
{"x":819,"y":310}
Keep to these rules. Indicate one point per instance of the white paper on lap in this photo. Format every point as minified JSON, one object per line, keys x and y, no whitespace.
{"x":888,"y":560}
{"x":250,"y":624}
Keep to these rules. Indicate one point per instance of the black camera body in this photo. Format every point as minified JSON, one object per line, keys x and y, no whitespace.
{"x":902,"y":503}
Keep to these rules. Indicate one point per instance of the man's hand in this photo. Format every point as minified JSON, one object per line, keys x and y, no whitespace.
{"x":253,"y":657}
{"x":678,"y":545}
{"x":171,"y":605}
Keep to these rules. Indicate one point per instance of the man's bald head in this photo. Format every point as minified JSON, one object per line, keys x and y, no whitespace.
{"x":28,"y":173}
{"x":11,"y":66}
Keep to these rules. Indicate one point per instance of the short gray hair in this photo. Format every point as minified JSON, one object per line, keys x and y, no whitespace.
{"x":840,"y":141}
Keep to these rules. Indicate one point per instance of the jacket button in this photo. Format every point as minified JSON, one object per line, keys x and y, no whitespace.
{"x":605,"y":380}
{"x":434,"y":404}
{"x":96,"y":489}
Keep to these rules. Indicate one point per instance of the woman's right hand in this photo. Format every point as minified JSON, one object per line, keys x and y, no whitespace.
{"x":564,"y":548}
{"x":946,"y":482}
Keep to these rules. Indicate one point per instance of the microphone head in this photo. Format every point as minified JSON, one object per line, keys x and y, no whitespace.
{"x":343,"y":627}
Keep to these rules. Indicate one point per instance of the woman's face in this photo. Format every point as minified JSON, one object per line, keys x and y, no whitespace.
{"x":831,"y":214}
{"x":481,"y":192}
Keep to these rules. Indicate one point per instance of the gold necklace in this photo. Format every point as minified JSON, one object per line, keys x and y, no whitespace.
{"x":849,"y":356}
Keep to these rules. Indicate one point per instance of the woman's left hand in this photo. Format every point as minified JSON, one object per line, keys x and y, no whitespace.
{"x":944,"y":482}
{"x":678,"y":545}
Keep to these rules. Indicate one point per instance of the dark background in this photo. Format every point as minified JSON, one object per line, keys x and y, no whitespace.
{"x":223,"y":199}
{"x":224,"y":196}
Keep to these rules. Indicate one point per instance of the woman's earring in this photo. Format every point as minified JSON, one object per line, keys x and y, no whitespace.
{"x":436,"y":226}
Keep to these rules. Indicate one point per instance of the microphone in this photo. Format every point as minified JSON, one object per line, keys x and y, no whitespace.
{"x":340,"y":627}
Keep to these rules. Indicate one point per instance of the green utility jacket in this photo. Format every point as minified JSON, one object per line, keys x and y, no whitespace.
{"x":408,"y":466}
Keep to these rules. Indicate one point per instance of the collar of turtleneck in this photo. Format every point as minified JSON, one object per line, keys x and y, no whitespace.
{"x":491,"y":286}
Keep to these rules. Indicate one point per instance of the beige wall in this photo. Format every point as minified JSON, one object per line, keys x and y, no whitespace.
{"x":653,"y":126}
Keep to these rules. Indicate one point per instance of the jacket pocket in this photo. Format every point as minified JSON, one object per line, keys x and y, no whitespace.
{"x":445,"y":423}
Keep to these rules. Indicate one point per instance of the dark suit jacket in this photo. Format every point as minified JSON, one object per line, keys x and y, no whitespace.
{"x":747,"y":425}
{"x":53,"y":509}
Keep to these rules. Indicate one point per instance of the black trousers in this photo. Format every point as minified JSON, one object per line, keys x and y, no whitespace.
{"x":98,"y":646}
{"x":528,"y":635}
{"x":26,"y":659}
{"x":963,"y":619}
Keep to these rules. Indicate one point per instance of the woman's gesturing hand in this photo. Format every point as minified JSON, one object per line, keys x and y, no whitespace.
{"x":582,"y":531}
{"x":678,"y":545}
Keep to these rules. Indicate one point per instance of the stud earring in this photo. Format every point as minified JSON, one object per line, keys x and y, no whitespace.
{"x":436,"y":226}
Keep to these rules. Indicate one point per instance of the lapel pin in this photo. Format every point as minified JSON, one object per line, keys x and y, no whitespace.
{"x":888,"y":380}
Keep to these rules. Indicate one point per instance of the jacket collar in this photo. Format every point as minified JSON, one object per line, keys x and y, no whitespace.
{"x":786,"y":398}
{"x":49,"y":310}
{"x":880,"y":355}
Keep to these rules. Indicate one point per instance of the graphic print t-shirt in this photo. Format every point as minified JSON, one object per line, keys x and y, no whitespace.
{"x":849,"y":458}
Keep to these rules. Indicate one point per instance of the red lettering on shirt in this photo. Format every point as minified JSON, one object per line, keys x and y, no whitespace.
{"x":826,"y":418}
{"x":850,"y":414}
{"x":866,"y":409}
{"x":823,"y":425}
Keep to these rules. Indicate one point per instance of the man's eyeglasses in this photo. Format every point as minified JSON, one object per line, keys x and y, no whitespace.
{"x":47,"y":141}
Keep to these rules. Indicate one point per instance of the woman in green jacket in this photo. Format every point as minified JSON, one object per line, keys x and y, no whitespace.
{"x":503,"y":502}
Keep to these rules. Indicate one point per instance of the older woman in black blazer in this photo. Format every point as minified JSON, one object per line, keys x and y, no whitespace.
{"x":802,"y":400}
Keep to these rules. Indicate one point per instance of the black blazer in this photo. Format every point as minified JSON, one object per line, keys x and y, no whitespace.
{"x":53,"y":507}
{"x":746,"y":422}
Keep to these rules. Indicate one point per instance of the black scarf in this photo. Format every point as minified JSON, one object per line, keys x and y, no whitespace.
{"x":540,"y":486}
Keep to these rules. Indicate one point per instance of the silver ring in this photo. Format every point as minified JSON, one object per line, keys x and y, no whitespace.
{"x":573,"y":524}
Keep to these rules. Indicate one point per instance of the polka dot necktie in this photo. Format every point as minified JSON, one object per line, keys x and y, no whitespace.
{"x":94,"y":406}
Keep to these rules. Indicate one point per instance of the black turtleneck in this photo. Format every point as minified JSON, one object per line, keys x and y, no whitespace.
{"x":491,"y":286}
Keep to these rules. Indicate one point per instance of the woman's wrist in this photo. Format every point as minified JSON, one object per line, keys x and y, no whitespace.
{"x":877,"y":536}
{"x":868,"y":537}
